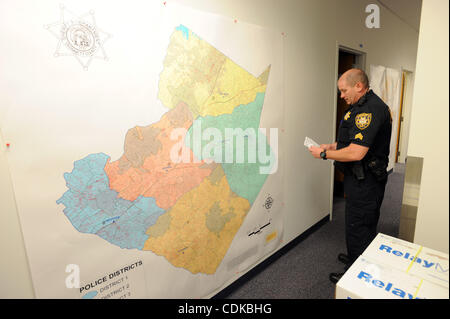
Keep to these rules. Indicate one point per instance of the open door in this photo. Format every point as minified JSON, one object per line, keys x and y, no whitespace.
{"x":405,"y":113}
{"x":400,"y":118}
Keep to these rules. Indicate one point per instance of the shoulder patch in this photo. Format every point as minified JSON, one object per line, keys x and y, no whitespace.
{"x":359,"y":135}
{"x":363,"y":120}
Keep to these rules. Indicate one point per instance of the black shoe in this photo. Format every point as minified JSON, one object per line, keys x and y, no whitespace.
{"x":343,"y":258}
{"x":335,"y":276}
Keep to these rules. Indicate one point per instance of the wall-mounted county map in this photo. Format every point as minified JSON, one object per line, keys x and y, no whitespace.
{"x":186,"y":211}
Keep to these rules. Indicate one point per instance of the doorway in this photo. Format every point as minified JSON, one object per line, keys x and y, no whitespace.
{"x":347,"y":59}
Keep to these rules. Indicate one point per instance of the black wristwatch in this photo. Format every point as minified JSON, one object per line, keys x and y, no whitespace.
{"x":323,"y":155}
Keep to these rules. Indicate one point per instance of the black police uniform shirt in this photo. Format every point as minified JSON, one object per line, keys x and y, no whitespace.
{"x":368,"y":123}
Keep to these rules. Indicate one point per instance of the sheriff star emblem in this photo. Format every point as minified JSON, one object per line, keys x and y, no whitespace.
{"x":78,"y":36}
{"x":363,"y":120}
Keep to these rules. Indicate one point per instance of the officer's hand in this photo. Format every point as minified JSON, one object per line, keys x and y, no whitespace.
{"x":315,"y":151}
{"x":328,"y":147}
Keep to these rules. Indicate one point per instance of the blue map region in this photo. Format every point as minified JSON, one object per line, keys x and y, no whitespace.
{"x":90,"y":295}
{"x":92,"y":207}
{"x":183,"y":29}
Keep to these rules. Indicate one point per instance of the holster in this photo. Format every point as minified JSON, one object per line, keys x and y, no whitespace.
{"x":377,"y":167}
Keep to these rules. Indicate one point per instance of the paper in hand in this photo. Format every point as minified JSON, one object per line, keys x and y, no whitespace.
{"x":309,"y":142}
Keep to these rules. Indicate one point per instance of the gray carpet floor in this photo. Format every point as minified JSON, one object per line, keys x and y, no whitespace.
{"x":300,"y":269}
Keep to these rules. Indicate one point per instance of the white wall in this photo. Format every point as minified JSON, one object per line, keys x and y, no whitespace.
{"x":313,"y":29}
{"x":15,"y":278}
{"x":393,"y":45}
{"x":429,"y":126}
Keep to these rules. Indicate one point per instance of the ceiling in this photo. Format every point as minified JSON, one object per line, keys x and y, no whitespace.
{"x":406,"y":10}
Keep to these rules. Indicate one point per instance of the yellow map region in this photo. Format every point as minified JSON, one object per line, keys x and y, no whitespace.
{"x":205,"y":79}
{"x":196,"y":232}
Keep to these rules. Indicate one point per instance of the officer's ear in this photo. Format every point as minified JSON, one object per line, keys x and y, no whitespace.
{"x":359,"y":87}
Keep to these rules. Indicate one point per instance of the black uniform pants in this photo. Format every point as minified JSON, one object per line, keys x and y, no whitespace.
{"x":362,"y":211}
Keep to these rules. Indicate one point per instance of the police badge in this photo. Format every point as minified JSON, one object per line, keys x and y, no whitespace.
{"x":363,"y":120}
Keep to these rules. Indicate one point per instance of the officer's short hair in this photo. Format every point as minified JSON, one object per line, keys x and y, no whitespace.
{"x":354,"y":76}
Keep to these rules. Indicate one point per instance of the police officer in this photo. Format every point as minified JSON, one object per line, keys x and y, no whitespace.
{"x":361,"y":153}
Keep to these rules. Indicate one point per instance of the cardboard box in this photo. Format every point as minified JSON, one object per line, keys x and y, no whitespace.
{"x":369,"y":279}
{"x":410,"y":258}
